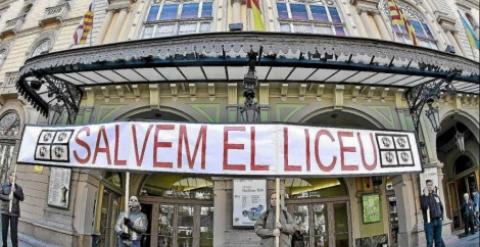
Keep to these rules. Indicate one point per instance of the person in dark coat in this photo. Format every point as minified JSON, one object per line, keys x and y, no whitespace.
{"x":10,"y":217}
{"x":468,"y":213}
{"x":267,"y":229}
{"x":432,"y":209}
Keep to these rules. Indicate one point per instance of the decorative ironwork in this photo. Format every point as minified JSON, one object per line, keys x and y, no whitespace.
{"x":250,"y":111}
{"x":234,"y":49}
{"x":56,"y":96}
{"x":428,"y":93}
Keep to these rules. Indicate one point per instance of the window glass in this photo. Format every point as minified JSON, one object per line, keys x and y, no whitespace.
{"x":165,"y":30}
{"x":187,"y":28}
{"x":418,"y":29}
{"x":302,"y":28}
{"x":152,"y":14}
{"x":339,"y":31}
{"x":282,"y":10}
{"x":285,"y":27}
{"x":319,"y":13}
{"x":169,"y":12}
{"x":207,"y":9}
{"x":427,"y":30}
{"x":148,"y":32}
{"x":299,"y":12}
{"x":205,"y":27}
{"x":190,"y":10}
{"x":335,"y":16}
{"x":323,"y":29}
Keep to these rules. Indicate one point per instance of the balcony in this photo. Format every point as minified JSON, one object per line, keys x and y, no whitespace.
{"x":12,"y":26}
{"x":8,"y":86}
{"x":55,"y":14}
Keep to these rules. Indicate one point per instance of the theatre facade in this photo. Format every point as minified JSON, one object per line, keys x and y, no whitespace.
{"x":205,"y":106}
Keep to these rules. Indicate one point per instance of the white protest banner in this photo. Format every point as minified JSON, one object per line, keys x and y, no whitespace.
{"x":222,"y":149}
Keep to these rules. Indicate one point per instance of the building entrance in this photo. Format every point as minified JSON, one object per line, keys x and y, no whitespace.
{"x":321,"y":208}
{"x":180,"y":210}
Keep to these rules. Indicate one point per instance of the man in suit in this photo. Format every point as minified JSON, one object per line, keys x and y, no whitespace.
{"x":15,"y":194}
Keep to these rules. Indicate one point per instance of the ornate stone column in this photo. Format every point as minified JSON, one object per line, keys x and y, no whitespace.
{"x":377,"y":17}
{"x":448,"y":26}
{"x":120,"y":9}
{"x":236,"y":23}
{"x":366,"y":8}
{"x":104,"y":29}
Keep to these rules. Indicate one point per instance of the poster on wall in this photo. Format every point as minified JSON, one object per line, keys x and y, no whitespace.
{"x":59,"y":187}
{"x":249,"y":201}
{"x":371,"y":208}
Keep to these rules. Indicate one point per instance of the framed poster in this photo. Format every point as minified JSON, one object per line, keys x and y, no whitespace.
{"x":371,"y":208}
{"x":59,"y":187}
{"x":249,"y":201}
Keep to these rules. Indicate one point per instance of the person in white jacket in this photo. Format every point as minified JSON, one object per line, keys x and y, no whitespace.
{"x":130,"y":228}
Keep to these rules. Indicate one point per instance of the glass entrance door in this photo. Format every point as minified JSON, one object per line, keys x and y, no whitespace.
{"x":179,"y":223}
{"x":326,"y":223}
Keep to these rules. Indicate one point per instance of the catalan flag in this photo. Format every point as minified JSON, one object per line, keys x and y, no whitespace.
{"x":398,"y":18}
{"x":256,"y":15}
{"x":81,"y":33}
{"x":471,"y":35}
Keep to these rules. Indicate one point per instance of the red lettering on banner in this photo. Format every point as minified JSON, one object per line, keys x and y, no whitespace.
{"x":362,"y":152}
{"x":317,"y":151}
{"x":344,"y":149}
{"x":288,"y":167}
{"x":139,"y":157}
{"x":253,"y":165}
{"x":182,"y":137}
{"x":157,"y":145}
{"x":83,"y":144}
{"x":102,"y":134}
{"x":307,"y":148}
{"x":116,"y":160}
{"x":227,"y":146}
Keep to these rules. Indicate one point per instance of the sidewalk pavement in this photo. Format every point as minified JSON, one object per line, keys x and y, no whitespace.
{"x":468,"y":241}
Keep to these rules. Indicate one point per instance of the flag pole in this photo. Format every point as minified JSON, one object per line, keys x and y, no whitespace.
{"x":10,"y":203}
{"x":127,"y":192}
{"x":277,"y":211}
{"x":93,"y":17}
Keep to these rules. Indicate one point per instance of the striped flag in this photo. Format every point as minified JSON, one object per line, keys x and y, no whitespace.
{"x":398,"y":18}
{"x":81,"y":33}
{"x":256,"y":16}
{"x":471,"y":35}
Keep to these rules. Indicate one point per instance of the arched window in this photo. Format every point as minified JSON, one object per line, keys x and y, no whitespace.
{"x":169,"y":18}
{"x":3,"y":55}
{"x":422,"y":31}
{"x":310,"y":16}
{"x":9,"y":124}
{"x":176,"y":186}
{"x":9,"y":127}
{"x":42,"y":48}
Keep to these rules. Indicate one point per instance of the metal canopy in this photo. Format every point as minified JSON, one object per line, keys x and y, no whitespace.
{"x":56,"y":79}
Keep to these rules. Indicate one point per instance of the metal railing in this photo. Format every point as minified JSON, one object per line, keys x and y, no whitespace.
{"x":8,"y":85}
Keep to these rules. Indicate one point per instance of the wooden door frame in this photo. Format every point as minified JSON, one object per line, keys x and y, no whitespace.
{"x":156,"y":201}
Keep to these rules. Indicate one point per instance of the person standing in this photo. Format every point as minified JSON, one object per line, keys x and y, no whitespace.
{"x":476,"y":203}
{"x":267,"y":230}
{"x":468,"y":214}
{"x":432,"y":210}
{"x":10,"y":217}
{"x":130,"y":228}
